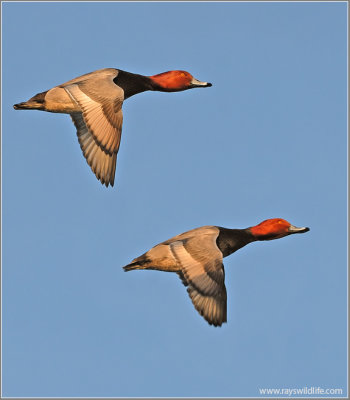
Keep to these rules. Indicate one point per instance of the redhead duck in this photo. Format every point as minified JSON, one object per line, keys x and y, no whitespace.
{"x":197,"y":257}
{"x":94,"y":102}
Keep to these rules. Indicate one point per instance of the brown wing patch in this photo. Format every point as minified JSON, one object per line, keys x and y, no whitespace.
{"x":102,"y":163}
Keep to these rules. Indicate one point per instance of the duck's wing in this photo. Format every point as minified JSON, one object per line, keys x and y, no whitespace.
{"x":102,"y":163}
{"x":203,"y":271}
{"x":99,"y":125}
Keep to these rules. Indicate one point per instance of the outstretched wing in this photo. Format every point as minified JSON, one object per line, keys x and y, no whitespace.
{"x":99,"y":125}
{"x":203,"y":271}
{"x":102,"y":163}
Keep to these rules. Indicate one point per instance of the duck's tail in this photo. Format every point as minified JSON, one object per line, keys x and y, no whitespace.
{"x":35,"y":103}
{"x":139,"y":263}
{"x":131,"y":267}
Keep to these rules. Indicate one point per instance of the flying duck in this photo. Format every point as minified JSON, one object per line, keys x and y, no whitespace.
{"x":197,"y":257}
{"x":94,"y":102}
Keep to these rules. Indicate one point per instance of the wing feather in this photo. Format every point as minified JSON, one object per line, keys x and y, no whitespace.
{"x":202,"y":270}
{"x":101,"y":162}
{"x":106,"y":128}
{"x":214,"y":310}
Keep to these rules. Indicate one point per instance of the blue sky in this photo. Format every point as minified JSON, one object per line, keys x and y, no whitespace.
{"x":268,"y":140}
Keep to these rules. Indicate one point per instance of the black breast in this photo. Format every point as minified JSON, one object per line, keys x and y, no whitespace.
{"x":231,"y":240}
{"x":132,"y":83}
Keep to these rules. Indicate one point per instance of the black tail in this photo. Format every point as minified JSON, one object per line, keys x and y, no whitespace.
{"x":35,"y":103}
{"x":141,"y":262}
{"x":131,"y":267}
{"x":24,"y":106}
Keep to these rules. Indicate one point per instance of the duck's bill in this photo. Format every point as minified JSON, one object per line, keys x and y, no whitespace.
{"x":295,"y":229}
{"x":197,"y":83}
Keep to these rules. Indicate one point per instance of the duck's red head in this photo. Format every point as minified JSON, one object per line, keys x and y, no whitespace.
{"x":275,"y":228}
{"x":173,"y":81}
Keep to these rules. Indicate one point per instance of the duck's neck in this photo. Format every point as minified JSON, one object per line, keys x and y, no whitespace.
{"x":231,"y":240}
{"x":133,"y":83}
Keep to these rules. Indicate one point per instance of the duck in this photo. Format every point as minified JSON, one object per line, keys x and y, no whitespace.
{"x":196,"y":256}
{"x":94,"y":102}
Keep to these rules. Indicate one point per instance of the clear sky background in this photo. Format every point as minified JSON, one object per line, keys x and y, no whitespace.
{"x":269,"y":139}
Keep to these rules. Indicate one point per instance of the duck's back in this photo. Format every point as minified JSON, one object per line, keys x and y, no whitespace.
{"x":92,"y":76}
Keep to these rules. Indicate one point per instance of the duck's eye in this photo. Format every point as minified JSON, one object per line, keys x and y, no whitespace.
{"x":182,"y":74}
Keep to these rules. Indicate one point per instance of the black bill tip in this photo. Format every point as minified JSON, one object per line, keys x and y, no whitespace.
{"x":294,"y":229}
